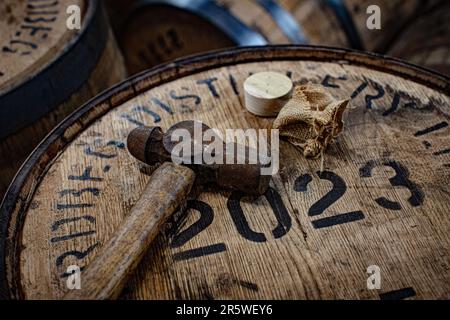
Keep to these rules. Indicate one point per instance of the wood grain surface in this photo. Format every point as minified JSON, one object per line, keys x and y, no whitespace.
{"x":28,"y":46}
{"x":106,"y":276}
{"x":383,"y":198}
{"x":108,"y":69}
{"x":426,"y":41}
{"x":156,"y":32}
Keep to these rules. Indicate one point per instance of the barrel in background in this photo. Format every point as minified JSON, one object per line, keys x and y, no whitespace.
{"x":47,"y":70}
{"x":160,"y":33}
{"x":426,"y":42}
{"x":343,"y":22}
{"x":154,"y":31}
{"x":338,"y":23}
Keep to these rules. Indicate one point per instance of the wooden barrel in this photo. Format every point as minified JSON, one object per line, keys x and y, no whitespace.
{"x":381,"y":200}
{"x":340,"y":23}
{"x":47,"y":70}
{"x":158,"y":31}
{"x":426,"y":41}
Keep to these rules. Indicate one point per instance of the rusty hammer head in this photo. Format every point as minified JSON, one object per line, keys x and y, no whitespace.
{"x":150,"y":145}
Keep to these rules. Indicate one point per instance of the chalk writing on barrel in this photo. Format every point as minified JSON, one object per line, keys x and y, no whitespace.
{"x":77,"y":193}
{"x":398,"y":294}
{"x":278,"y":208}
{"x":234,"y":85}
{"x":207,"y":216}
{"x":166,"y":43}
{"x":86,"y":176}
{"x":36,"y":25}
{"x":209,"y":82}
{"x":338,"y":190}
{"x":162,"y":105}
{"x":189,"y":102}
{"x":369,"y":98}
{"x":401,"y":179}
{"x":318,"y":208}
{"x":79,"y":255}
{"x":181,"y":238}
{"x":61,"y":222}
{"x":98,"y":143}
{"x":436,"y":127}
{"x":396,"y":103}
{"x":331,"y":82}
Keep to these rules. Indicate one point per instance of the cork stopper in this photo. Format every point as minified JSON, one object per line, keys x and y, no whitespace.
{"x":266,"y":93}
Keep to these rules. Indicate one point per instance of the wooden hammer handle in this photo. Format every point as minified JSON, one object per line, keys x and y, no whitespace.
{"x":106,"y":275}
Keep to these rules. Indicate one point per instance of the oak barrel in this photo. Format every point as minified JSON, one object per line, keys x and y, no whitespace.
{"x":155,"y":31}
{"x":426,"y":42}
{"x":382,"y":199}
{"x":47,"y":70}
{"x":340,"y":23}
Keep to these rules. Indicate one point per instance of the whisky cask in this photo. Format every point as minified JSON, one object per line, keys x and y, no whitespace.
{"x":155,"y":31}
{"x":340,"y":23}
{"x":47,"y":70}
{"x":380,"y":201}
{"x":426,"y":42}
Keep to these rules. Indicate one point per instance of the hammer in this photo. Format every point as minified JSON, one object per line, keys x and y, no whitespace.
{"x":167,"y":189}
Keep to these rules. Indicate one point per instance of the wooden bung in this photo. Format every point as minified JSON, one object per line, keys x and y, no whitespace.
{"x":47,"y":70}
{"x":382,"y":199}
{"x":153,"y":32}
{"x":266,"y":93}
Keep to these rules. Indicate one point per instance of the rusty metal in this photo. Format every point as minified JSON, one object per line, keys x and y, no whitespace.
{"x":151,"y":145}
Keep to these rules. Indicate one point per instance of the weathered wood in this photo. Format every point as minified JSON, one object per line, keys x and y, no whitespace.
{"x":381,"y":200}
{"x":159,"y":31}
{"x":47,"y":70}
{"x":162,"y":31}
{"x":105,"y":277}
{"x":426,"y":42}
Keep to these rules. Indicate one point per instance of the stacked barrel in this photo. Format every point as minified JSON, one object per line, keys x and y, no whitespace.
{"x":426,"y":41}
{"x":47,"y":70}
{"x":155,"y":31}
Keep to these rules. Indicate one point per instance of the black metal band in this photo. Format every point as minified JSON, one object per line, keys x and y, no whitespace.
{"x":347,"y":23}
{"x":285,"y":21}
{"x":46,"y":90}
{"x":209,"y":10}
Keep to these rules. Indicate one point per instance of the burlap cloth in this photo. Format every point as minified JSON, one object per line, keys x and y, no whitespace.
{"x":311,"y":119}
